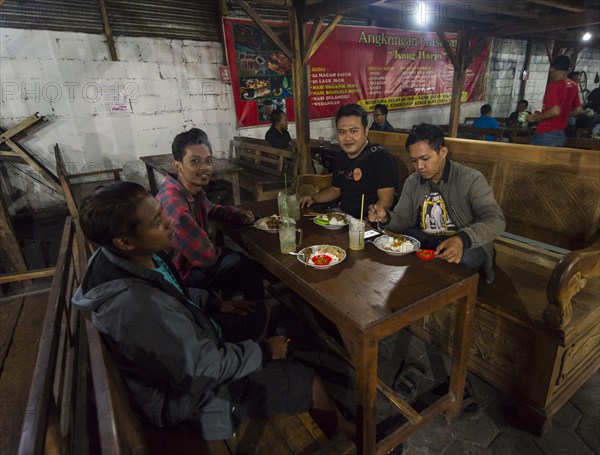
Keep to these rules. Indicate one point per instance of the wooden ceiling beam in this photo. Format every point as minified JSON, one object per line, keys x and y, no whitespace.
{"x":281,"y":3}
{"x":107,"y":31}
{"x":573,"y":5}
{"x":322,"y":37}
{"x":265,"y":28}
{"x":330,"y":7}
{"x":449,"y":51}
{"x":485,"y":11}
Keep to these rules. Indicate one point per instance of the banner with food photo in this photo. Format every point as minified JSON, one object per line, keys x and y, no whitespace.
{"x":261,"y":75}
{"x":402,"y":69}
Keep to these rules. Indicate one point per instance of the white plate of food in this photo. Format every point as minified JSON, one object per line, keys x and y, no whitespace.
{"x":397,"y":244}
{"x":334,"y":220}
{"x":321,"y":256}
{"x":270,"y":223}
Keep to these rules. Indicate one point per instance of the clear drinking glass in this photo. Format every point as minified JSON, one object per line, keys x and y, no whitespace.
{"x":293,"y":207}
{"x":287,"y":237}
{"x":281,"y":200}
{"x":356,"y":229}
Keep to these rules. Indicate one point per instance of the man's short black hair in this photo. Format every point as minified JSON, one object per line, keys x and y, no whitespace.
{"x":561,"y":63}
{"x":523,"y":101}
{"x":429,"y":133}
{"x":573,"y":74}
{"x":382,"y":107}
{"x":111,"y":211}
{"x":195,"y":136}
{"x":276,"y":116}
{"x":485,"y":109}
{"x":351,"y":110}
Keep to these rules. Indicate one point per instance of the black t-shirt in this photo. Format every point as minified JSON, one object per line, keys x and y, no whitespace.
{"x":277,"y":139}
{"x":370,"y":171}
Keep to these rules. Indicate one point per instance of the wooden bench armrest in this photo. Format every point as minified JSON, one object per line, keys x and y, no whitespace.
{"x":30,"y":275}
{"x":568,"y":278}
{"x":119,"y":429}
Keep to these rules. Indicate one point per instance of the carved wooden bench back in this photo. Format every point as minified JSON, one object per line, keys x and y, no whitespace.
{"x":259,"y":155}
{"x":548,"y":194}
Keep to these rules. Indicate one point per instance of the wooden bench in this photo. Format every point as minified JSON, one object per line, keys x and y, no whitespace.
{"x":56,"y":415}
{"x":264,"y":167}
{"x":503,"y":121}
{"x":121,"y":431}
{"x":77,"y":186}
{"x":472,"y":132}
{"x":536,"y":332}
{"x":70,"y":411}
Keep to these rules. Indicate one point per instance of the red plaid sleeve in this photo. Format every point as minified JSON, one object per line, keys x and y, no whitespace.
{"x":192,"y":246}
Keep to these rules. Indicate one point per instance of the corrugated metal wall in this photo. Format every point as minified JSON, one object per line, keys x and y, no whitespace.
{"x":281,"y":15}
{"x":195,"y":20}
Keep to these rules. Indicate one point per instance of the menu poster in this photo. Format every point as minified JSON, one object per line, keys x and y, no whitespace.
{"x":355,"y":64}
{"x":261,"y":75}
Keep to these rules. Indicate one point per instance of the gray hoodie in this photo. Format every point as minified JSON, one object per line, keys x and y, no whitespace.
{"x":174,"y":363}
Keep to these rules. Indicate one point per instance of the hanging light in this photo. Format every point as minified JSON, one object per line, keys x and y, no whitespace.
{"x":586,"y":36}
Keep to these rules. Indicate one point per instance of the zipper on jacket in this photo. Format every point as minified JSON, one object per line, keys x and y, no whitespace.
{"x":457,"y":215}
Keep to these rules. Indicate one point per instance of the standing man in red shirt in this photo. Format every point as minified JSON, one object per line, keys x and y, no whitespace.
{"x":561,"y":100}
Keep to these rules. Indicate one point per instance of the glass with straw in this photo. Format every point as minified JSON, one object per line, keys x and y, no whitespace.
{"x":294,"y":203}
{"x":356,"y":229}
{"x":287,"y":232}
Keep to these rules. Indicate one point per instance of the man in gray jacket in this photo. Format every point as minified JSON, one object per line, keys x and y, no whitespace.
{"x":181,"y":360}
{"x":448,"y":207}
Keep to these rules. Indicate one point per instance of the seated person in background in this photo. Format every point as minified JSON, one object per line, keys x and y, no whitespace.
{"x":201,"y":263}
{"x":448,"y":207}
{"x":485,"y":121}
{"x":593,"y":102}
{"x":363,"y":168}
{"x":178,"y":362}
{"x":278,"y":135}
{"x":513,"y":118}
{"x":380,"y":122}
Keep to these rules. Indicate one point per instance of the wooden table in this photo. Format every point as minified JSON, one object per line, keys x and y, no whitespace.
{"x":222,"y":168}
{"x":369,"y":296}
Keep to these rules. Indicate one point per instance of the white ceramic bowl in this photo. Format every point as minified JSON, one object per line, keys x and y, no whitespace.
{"x":305,"y":254}
{"x":325,"y":216}
{"x":380,"y":242}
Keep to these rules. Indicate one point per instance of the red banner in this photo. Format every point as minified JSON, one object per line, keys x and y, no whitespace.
{"x":355,"y":64}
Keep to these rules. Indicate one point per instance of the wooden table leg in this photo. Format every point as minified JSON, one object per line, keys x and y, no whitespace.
{"x":365,"y":361}
{"x":151,"y":179}
{"x":460,"y":351}
{"x":235,"y":187}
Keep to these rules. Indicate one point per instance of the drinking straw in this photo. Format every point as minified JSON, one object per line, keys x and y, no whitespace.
{"x":285,"y":211}
{"x":297,"y":184}
{"x":362,"y":206}
{"x":285,"y":201}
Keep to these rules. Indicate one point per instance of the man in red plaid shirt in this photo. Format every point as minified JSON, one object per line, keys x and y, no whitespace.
{"x":201,"y":263}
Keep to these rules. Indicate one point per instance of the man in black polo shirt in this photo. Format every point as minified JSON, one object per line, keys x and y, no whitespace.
{"x":278,"y":135}
{"x":363,"y":168}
